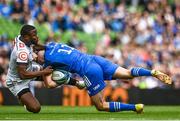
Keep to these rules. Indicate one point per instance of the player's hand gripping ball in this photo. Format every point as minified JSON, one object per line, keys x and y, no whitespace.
{"x":61,"y":76}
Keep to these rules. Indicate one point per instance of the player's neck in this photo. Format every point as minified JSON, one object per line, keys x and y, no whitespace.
{"x":21,"y":39}
{"x":24,"y":41}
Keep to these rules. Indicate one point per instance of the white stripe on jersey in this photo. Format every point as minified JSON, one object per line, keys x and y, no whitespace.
{"x":87,"y":82}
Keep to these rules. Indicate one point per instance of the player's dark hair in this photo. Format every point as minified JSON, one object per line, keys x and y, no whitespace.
{"x":26,"y":29}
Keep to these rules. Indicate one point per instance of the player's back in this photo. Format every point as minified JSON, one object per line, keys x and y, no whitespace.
{"x":65,"y":57}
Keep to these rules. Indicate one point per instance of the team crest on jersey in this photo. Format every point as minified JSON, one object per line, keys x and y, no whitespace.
{"x":21,"y":45}
{"x":23,"y":56}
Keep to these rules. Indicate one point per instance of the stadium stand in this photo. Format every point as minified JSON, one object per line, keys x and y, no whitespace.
{"x":130,"y":33}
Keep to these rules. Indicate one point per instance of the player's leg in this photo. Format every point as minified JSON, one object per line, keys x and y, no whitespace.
{"x":112,"y":70}
{"x":123,"y":73}
{"x":29,"y":101}
{"x":138,"y":71}
{"x":95,"y":84}
{"x":102,"y":105}
{"x":21,"y":90}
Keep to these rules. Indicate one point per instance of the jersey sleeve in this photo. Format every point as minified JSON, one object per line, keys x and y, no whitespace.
{"x":22,"y":56}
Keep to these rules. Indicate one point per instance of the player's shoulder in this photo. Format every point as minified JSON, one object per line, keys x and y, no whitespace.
{"x":19,"y":44}
{"x":50,"y":44}
{"x":20,"y":51}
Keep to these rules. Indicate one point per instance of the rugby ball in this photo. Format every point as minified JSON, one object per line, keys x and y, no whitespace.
{"x":61,"y":76}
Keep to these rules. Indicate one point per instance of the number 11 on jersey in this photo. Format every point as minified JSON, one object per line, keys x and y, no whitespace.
{"x":66,"y":49}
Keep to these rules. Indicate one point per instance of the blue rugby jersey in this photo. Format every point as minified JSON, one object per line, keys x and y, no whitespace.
{"x":62,"y":56}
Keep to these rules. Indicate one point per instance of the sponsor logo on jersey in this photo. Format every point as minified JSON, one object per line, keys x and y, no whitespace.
{"x":23,"y":56}
{"x":21,"y":45}
{"x":96,"y":87}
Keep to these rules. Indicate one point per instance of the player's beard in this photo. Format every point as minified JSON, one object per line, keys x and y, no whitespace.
{"x":34,"y":42}
{"x":29,"y":43}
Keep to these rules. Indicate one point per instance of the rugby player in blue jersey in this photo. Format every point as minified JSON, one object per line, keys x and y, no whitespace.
{"x":94,"y":70}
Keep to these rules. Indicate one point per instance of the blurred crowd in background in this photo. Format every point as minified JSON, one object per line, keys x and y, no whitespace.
{"x":147,"y":32}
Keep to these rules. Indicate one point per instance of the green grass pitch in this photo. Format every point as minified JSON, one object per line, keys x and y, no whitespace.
{"x":88,"y":113}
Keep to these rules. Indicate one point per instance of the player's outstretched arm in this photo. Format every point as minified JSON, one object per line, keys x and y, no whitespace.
{"x":24,"y":74}
{"x":49,"y":83}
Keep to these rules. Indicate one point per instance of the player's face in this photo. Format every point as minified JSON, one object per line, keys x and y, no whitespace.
{"x":33,"y":36}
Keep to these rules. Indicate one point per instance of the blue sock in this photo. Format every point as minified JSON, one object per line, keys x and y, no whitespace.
{"x":118,"y":106}
{"x":138,"y":71}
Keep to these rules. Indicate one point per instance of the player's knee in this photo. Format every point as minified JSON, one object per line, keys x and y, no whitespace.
{"x":37,"y":109}
{"x":34,"y":109}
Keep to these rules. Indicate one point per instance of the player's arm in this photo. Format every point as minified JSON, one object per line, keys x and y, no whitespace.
{"x":22,"y":65}
{"x":24,"y":74}
{"x":49,"y":83}
{"x":77,"y":83}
